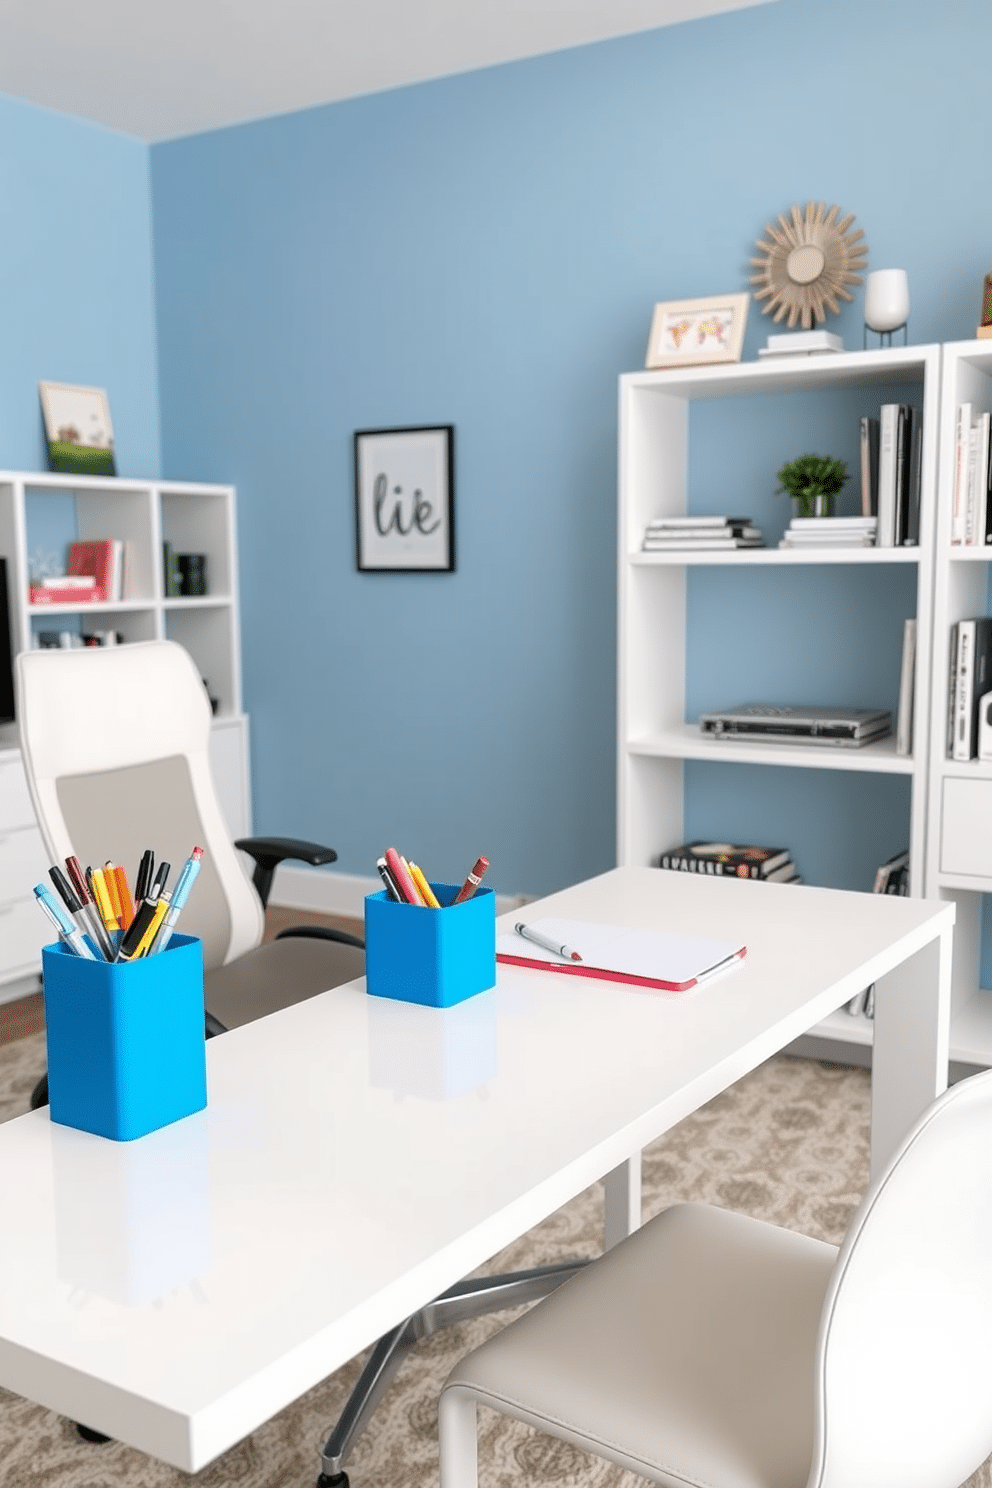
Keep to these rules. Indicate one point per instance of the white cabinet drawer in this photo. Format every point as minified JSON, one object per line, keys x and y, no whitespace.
{"x":23,"y":932}
{"x":966,"y":828}
{"x":23,"y":863}
{"x":15,"y":802}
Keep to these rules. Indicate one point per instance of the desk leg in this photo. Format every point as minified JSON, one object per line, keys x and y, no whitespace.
{"x":623,"y":1201}
{"x":911,"y":1042}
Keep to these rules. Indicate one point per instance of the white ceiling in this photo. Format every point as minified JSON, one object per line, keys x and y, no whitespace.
{"x":161,"y":70}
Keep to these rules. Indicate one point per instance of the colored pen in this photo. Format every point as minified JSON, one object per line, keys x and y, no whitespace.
{"x":113,"y":893}
{"x":124,"y":897}
{"x":79,"y":910}
{"x":473,"y":881}
{"x":387,"y":879}
{"x":529,"y":933}
{"x":136,"y":931}
{"x":187,"y":877}
{"x":401,"y":877}
{"x":423,"y":887}
{"x":142,"y":882}
{"x":158,"y":883}
{"x":98,"y":931}
{"x":160,"y":908}
{"x":68,"y":930}
{"x":103,"y":901}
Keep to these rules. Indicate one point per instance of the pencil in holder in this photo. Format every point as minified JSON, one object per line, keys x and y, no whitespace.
{"x":126,"y":1052}
{"x":432,"y":956}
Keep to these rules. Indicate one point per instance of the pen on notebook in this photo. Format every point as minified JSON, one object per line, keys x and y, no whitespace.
{"x":473,"y":881}
{"x":423,"y":887}
{"x":187,"y":877}
{"x":529,"y":933}
{"x":68,"y":930}
{"x":77,"y":909}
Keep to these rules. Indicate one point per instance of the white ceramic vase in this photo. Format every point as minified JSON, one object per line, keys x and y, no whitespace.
{"x":887,"y":300}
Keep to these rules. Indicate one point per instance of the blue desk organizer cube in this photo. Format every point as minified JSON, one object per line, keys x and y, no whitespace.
{"x":126,"y":1051}
{"x":433,"y":956}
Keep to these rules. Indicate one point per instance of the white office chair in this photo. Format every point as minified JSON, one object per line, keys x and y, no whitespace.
{"x":115,"y":743}
{"x":709,"y":1348}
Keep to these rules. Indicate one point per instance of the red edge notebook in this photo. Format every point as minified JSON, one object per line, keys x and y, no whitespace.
{"x":640,"y":958}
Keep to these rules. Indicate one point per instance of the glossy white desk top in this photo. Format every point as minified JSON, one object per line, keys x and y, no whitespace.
{"x":358,"y":1156}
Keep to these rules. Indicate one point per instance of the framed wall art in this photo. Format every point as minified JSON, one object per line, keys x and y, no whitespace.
{"x":405,"y":499}
{"x":710,"y":329}
{"x":77,"y":429}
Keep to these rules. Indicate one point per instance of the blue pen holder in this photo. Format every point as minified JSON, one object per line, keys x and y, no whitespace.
{"x":126,"y":1052}
{"x":433,"y":956}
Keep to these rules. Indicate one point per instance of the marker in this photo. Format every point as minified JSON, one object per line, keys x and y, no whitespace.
{"x":98,"y":931}
{"x":158,"y":884}
{"x":529,"y":933}
{"x":473,"y":881}
{"x":124,"y":897}
{"x":103,"y":901}
{"x":401,"y":877}
{"x":69,"y":931}
{"x":134,"y":935}
{"x":142,"y":882}
{"x":163,"y":930}
{"x":387,"y":879}
{"x":79,"y":911}
{"x":113,"y":893}
{"x":423,"y":887}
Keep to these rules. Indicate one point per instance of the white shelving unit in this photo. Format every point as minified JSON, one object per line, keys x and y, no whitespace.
{"x":144,"y":514}
{"x":657,"y":447}
{"x":959,"y":840}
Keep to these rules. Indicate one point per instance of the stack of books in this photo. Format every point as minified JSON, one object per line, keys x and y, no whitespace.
{"x":830,"y":532}
{"x":664,"y":534}
{"x":891,"y":469}
{"x":971,"y":509}
{"x":732,"y":860}
{"x":970,"y":689}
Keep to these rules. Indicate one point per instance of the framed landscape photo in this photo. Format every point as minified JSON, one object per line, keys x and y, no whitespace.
{"x":710,"y":329}
{"x":404,"y":499}
{"x":78,"y":429}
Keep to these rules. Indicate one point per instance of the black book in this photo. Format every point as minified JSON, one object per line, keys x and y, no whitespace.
{"x":869,"y":466}
{"x":725,"y":859}
{"x":912,"y":535}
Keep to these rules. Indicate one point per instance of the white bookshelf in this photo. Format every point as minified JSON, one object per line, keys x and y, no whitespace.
{"x":959,"y":842}
{"x":144,"y":514}
{"x":656,"y":737}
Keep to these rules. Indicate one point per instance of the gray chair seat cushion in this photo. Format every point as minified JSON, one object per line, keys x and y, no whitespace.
{"x":705,"y":1326}
{"x":277,"y":975}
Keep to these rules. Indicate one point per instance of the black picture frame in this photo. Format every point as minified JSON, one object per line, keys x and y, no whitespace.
{"x":405,"y":499}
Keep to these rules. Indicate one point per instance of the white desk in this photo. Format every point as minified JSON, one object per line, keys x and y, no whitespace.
{"x":359,"y":1156}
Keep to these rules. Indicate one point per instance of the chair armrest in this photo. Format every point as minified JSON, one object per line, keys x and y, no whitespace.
{"x":321,"y":932}
{"x":269,"y":852}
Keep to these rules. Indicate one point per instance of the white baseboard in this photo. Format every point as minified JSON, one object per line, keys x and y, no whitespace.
{"x":327,"y":892}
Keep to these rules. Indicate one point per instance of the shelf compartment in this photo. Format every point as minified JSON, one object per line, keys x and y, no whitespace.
{"x":687,"y":742}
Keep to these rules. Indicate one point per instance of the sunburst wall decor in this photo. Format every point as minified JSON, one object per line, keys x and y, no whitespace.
{"x":806,"y":267}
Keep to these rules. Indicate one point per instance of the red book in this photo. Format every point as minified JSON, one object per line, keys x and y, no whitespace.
{"x":101,"y":558}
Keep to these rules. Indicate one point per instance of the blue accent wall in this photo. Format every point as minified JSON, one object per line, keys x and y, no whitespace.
{"x":76,"y":295}
{"x":486,"y":251}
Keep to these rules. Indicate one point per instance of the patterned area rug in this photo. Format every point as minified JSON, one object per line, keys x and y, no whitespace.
{"x":789,"y":1143}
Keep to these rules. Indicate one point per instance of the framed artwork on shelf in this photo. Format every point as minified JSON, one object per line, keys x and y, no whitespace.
{"x":710,"y":329}
{"x":405,"y":499}
{"x":78,"y":429}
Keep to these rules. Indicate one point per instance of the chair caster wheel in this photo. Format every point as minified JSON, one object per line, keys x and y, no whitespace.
{"x":333,"y":1480}
{"x":88,"y":1434}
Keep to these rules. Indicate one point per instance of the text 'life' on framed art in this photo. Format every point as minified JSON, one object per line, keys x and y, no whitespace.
{"x":404,"y":499}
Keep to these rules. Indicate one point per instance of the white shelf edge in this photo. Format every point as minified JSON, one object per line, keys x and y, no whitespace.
{"x":763,"y":557}
{"x":47,"y":480}
{"x":196,"y":601}
{"x":789,"y":373}
{"x":94,"y":607}
{"x":688,"y":743}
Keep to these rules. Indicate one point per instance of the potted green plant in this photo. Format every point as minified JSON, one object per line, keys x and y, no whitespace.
{"x":813,"y":481}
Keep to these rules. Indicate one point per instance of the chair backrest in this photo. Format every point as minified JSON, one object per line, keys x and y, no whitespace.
{"x":115,"y":742}
{"x":904,"y":1373}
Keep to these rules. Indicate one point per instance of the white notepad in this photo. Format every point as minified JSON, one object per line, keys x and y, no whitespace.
{"x":645,"y":958}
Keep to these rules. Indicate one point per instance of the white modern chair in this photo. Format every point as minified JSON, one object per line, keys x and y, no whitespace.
{"x":712,"y":1349}
{"x":115,"y":743}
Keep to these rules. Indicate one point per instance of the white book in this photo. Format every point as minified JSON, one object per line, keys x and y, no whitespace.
{"x":983,"y":430}
{"x":697,"y":522}
{"x":833,"y":524}
{"x":961,"y":436}
{"x":970,"y":488}
{"x":904,"y":723}
{"x":887,"y":457}
{"x":963,"y":690}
